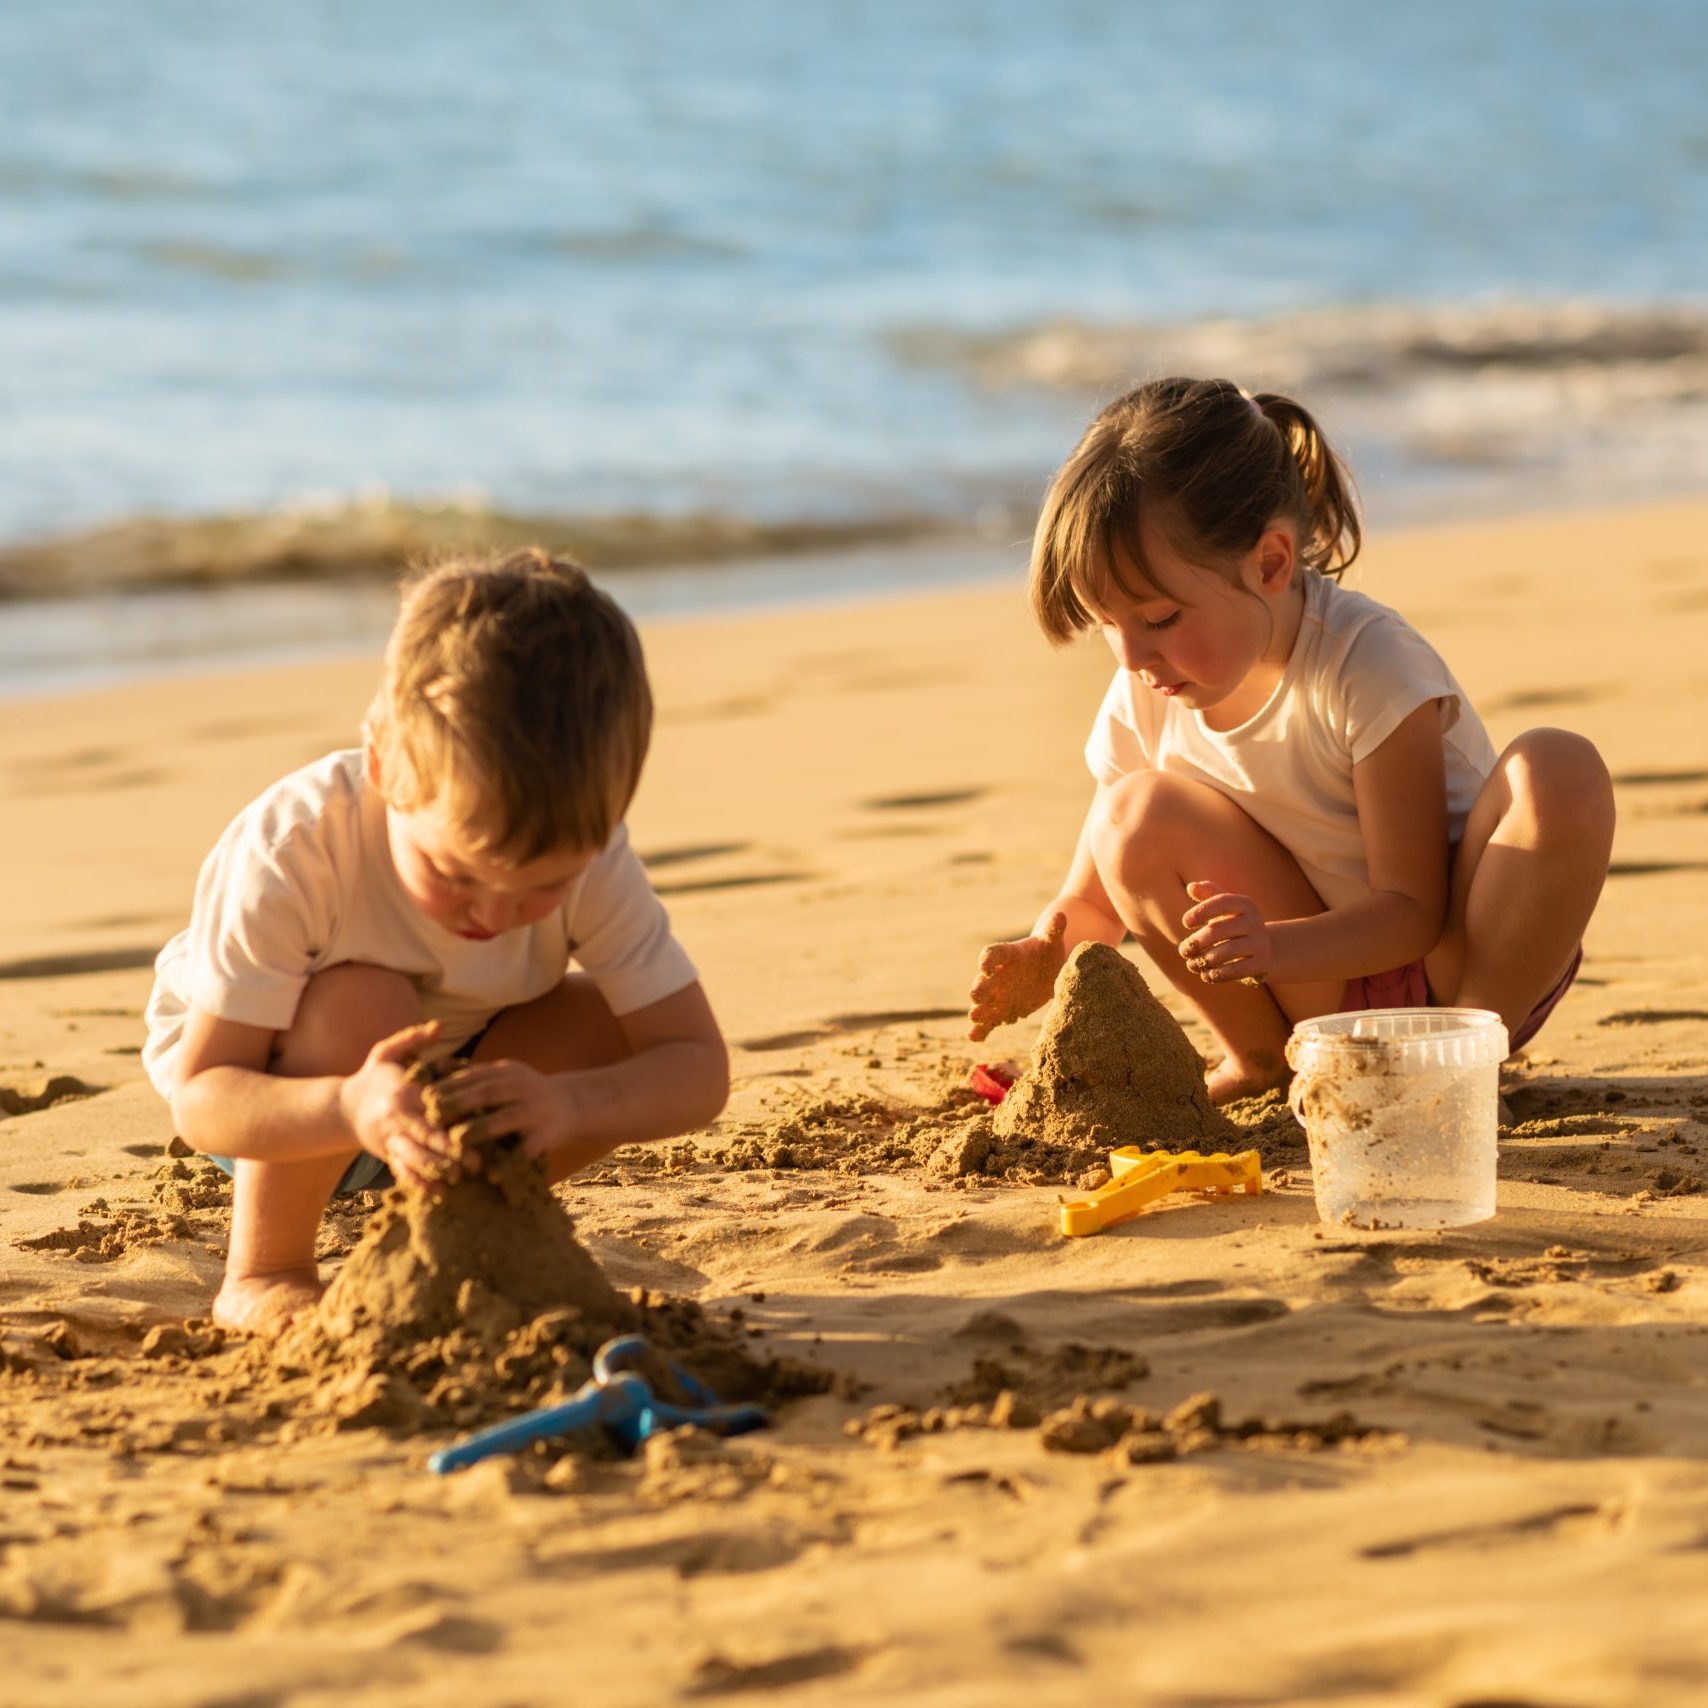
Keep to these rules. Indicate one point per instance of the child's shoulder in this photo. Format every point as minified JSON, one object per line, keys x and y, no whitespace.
{"x":319,"y":796}
{"x":1354,"y":630}
{"x":1344,"y":612}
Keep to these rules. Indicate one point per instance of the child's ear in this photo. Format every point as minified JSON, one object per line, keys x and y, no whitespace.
{"x":371,"y":764}
{"x":1275,"y":560}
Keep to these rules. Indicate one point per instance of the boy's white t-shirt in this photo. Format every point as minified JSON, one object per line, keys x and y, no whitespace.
{"x":1357,"y":671}
{"x":303,"y":879}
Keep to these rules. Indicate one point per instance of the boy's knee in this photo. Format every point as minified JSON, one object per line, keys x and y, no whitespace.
{"x":344,"y":1012}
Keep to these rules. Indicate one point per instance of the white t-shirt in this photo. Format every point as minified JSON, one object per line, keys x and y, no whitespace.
{"x":1357,"y":671}
{"x":303,"y":879}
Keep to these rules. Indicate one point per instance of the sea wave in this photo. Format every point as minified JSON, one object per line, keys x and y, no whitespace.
{"x":378,"y":537}
{"x":1364,"y":346}
{"x":1571,"y":395}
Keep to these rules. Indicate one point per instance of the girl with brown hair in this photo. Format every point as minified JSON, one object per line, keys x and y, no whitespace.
{"x":1297,"y":809}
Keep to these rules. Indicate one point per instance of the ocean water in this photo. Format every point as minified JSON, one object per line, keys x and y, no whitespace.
{"x":835,"y":260}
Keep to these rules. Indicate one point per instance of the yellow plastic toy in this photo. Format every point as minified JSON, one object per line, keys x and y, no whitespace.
{"x":1141,"y":1177}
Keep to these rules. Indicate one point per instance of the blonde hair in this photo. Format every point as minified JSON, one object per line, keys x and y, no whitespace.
{"x":1215,"y":466}
{"x":515,"y":689}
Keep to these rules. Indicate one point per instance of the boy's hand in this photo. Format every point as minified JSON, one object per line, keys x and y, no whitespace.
{"x":1016,"y":979}
{"x":495,"y":1099}
{"x":1227,"y":938}
{"x":383,"y":1108}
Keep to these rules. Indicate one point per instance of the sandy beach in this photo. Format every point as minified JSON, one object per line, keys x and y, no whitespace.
{"x":1442,"y":1470}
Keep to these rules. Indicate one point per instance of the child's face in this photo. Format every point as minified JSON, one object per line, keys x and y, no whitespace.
{"x":1194,"y":634}
{"x":468,"y":891}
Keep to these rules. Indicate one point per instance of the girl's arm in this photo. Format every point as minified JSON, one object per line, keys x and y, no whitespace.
{"x":1015,"y":979}
{"x":1090,"y":914}
{"x":1401,"y":791}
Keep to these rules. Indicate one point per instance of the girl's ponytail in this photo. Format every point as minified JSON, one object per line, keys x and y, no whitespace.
{"x":1213,"y":465}
{"x":1333,"y":531}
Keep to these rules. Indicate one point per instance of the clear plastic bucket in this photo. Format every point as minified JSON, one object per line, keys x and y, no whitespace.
{"x":1401,"y":1107}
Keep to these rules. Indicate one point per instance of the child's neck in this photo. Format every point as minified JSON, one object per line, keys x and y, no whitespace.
{"x":1264,"y":677}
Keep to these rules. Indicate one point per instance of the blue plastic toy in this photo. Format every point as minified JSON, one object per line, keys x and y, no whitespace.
{"x":617,"y":1400}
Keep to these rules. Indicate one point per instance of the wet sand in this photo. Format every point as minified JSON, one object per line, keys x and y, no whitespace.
{"x":1438,"y":1469}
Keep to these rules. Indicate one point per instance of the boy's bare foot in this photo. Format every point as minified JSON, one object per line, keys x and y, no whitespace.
{"x":263,"y":1304}
{"x":1229,"y":1080}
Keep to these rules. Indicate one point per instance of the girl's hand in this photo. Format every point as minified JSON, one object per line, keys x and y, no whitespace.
{"x":384,"y":1110}
{"x":497,"y":1099}
{"x":1226,"y":939}
{"x":1016,"y":979}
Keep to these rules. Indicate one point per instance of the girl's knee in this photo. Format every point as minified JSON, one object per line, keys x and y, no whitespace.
{"x":344,"y":1011}
{"x":1153,"y":823}
{"x":1559,"y":775}
{"x":1143,"y":809}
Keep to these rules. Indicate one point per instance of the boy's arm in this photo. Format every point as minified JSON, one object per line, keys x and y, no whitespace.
{"x":676,"y":1079}
{"x":228,"y":1104}
{"x":1401,"y":791}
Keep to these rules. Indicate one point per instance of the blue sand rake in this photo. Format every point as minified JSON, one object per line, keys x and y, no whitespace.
{"x":617,"y":1400}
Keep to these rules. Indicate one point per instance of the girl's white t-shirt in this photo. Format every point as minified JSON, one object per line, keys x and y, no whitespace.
{"x":1357,"y":671}
{"x":303,"y":879}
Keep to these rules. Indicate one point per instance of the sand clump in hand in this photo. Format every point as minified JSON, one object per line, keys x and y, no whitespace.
{"x":472,"y":1302}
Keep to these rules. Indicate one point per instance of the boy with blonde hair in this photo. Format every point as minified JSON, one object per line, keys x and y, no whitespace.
{"x":428,"y":891}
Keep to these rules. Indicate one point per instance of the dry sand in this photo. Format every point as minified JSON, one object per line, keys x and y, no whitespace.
{"x":1438,"y":1469}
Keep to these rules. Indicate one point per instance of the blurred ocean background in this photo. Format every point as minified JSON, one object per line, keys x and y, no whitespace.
{"x":718,"y":271}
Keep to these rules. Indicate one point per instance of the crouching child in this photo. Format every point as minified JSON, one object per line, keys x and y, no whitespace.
{"x":460,"y":884}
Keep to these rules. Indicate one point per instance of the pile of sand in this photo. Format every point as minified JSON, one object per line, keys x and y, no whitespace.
{"x":1112,"y":1067}
{"x":476,"y":1300}
{"x":1125,"y":1433}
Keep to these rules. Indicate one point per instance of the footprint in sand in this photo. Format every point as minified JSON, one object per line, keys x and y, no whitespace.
{"x":1539,"y":699}
{"x":741,"y":881}
{"x":838,"y":1023}
{"x":717,"y":1676}
{"x":1656,"y":779}
{"x":1653,"y":868}
{"x":691,"y":853}
{"x":61,"y":1088}
{"x":656,"y":857}
{"x":1572,"y":1518}
{"x":1652,"y":1016}
{"x":98,"y":961}
{"x":914,"y":803}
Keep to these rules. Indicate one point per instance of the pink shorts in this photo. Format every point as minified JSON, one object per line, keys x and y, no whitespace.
{"x":1406,"y":987}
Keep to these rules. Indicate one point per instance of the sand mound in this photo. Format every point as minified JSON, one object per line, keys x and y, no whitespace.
{"x":492,"y":1251}
{"x":475,"y":1301}
{"x":1112,"y":1067}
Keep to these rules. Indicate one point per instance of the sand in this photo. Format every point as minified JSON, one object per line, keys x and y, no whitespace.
{"x":467,"y":1302}
{"x":1111,"y":1067}
{"x":1220,"y":1454}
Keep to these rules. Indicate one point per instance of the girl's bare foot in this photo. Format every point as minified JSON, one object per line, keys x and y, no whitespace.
{"x":1231,"y":1079}
{"x":263,"y":1304}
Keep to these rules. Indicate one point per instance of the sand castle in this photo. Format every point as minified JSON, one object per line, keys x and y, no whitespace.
{"x":1111,"y":1067}
{"x":475,"y":1300}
